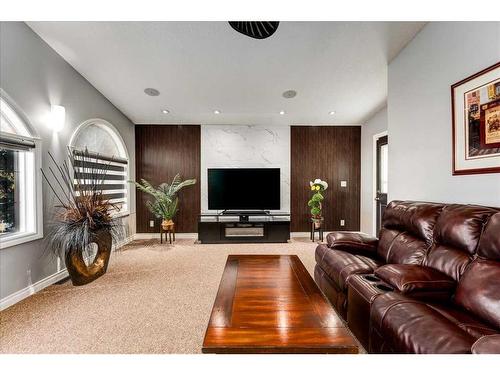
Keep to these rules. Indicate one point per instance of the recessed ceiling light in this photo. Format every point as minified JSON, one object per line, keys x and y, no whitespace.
{"x":289,"y":94}
{"x":151,"y":91}
{"x":282,"y":112}
{"x":165,"y":111}
{"x":331,"y":112}
{"x":217,"y":112}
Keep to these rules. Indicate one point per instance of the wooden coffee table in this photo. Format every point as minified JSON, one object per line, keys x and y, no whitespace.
{"x":270,"y":304}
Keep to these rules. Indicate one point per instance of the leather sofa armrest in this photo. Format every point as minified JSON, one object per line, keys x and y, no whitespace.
{"x":487,"y":345}
{"x":353,"y":242}
{"x":417,"y":281}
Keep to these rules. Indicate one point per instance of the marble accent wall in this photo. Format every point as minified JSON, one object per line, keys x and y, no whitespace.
{"x":246,"y":146}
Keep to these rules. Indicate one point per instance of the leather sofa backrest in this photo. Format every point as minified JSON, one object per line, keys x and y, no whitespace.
{"x":456,"y":238}
{"x":478,"y":290}
{"x":407,"y":231}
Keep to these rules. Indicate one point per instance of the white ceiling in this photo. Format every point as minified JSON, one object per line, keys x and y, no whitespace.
{"x":202,"y":66}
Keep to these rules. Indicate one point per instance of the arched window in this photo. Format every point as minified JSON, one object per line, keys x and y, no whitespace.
{"x":105,"y":144}
{"x":20,"y":183}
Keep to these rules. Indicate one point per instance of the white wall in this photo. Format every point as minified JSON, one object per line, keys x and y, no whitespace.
{"x":375,"y":125}
{"x":231,"y":146}
{"x":419,"y":112}
{"x":35,"y":76}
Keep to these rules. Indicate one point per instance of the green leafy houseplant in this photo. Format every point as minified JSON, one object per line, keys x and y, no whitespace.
{"x":317,"y":187}
{"x":165,"y":204}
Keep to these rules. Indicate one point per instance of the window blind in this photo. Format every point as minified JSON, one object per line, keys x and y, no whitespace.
{"x":111,"y":170}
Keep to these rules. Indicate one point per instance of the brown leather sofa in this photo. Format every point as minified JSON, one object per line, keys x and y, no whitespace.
{"x":429,"y":284}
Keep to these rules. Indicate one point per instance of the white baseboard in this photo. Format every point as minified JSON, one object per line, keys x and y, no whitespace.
{"x":305,"y":234}
{"x":32,"y":289}
{"x":44,"y":283}
{"x":151,"y":236}
{"x":123,"y":243}
{"x":299,"y":234}
{"x":194,"y":236}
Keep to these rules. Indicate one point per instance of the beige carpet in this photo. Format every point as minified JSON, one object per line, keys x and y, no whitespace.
{"x":154,"y":299}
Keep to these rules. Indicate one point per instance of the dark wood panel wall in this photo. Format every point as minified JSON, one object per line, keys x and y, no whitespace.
{"x":160,"y":153}
{"x":332,"y":153}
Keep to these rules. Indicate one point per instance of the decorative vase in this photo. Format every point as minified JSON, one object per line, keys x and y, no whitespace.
{"x":167,"y":224}
{"x":82,"y":274}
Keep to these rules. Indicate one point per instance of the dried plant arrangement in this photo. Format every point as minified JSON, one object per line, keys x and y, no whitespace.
{"x":83,"y":216}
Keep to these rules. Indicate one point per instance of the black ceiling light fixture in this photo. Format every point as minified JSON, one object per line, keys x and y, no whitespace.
{"x":255,"y":29}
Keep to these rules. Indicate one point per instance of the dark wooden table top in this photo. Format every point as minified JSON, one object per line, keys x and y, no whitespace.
{"x":270,"y":304}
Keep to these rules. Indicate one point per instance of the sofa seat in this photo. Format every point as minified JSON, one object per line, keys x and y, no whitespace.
{"x":413,"y":326}
{"x":340,"y":265}
{"x":487,"y":345}
{"x":465,"y":321}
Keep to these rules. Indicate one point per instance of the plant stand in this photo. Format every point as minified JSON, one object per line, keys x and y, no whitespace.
{"x":317,"y":228}
{"x":169,"y":231}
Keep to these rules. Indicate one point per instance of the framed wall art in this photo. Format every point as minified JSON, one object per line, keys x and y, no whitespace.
{"x":475,"y":104}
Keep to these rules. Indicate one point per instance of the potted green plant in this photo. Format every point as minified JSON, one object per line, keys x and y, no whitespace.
{"x":165,"y":204}
{"x":82,"y":217}
{"x":317,"y":187}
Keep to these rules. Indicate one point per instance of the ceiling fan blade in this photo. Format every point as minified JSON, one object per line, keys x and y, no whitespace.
{"x":255,"y":29}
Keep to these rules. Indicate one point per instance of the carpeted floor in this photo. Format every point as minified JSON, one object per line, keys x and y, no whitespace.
{"x":154,"y":299}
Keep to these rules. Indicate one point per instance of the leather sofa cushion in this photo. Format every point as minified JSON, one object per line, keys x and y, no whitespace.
{"x":386,"y":238}
{"x":460,"y":226}
{"x":412,"y":326}
{"x":353,"y":242}
{"x":406,"y":249}
{"x":417,"y":218}
{"x":479,"y":291}
{"x":339,"y":265}
{"x":456,"y":238}
{"x":487,"y":345}
{"x":417,"y":281}
{"x":489,"y":245}
{"x":407,"y":231}
{"x":400,"y":247}
{"x":448,"y":260}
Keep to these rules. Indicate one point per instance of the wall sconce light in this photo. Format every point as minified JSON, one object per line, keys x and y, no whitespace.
{"x":57,"y":117}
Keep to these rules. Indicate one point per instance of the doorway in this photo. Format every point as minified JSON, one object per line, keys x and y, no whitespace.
{"x":381,"y":183}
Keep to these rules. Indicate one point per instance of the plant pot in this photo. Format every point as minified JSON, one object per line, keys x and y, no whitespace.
{"x":82,"y":274}
{"x":167,"y":224}
{"x":317,"y":222}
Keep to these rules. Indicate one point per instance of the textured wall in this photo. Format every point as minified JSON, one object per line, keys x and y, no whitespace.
{"x":232,"y":146}
{"x":161,"y":153}
{"x":331,"y":153}
{"x":419,"y":112}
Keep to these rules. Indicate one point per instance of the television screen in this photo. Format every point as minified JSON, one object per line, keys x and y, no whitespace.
{"x":244,"y":188}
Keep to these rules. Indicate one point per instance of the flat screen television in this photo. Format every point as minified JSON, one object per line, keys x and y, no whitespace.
{"x":244,"y":189}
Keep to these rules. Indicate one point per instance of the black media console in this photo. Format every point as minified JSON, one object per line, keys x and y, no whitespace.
{"x":243,"y":227}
